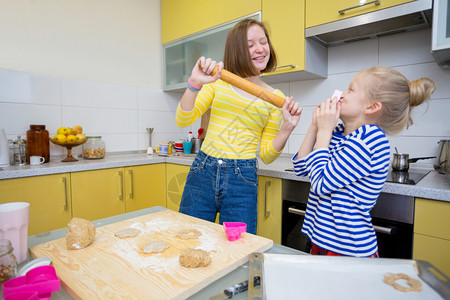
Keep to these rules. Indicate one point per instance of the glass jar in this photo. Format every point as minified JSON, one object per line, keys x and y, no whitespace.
{"x":8,"y":262}
{"x":38,"y":142}
{"x":94,"y":148}
{"x":20,"y":151}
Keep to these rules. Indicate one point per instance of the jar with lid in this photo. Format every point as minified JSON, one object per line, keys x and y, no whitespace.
{"x":38,"y":142}
{"x":94,"y":148}
{"x":8,"y":262}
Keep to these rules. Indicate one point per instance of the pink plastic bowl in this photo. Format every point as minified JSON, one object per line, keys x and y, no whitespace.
{"x":40,"y":281}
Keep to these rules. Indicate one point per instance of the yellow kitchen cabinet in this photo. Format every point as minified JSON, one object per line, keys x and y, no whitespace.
{"x":322,"y":12}
{"x":103,"y":193}
{"x":176,"y":180}
{"x":432,"y":233}
{"x":180,"y":18}
{"x":269,"y":208}
{"x":298,"y":59}
{"x":49,"y":197}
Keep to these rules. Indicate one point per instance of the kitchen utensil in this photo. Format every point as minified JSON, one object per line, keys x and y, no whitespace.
{"x":235,"y":289}
{"x":41,"y":280}
{"x":147,"y":276}
{"x":4,"y":151}
{"x":20,"y":151}
{"x":14,"y":219}
{"x":69,"y":147}
{"x":249,"y":87}
{"x":42,"y":261}
{"x":401,"y":161}
{"x":150,"y":149}
{"x":200,"y":131}
{"x":442,"y":162}
{"x":234,"y":229}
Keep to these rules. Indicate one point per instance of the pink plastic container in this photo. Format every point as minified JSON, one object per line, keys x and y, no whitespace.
{"x":234,"y":229}
{"x":38,"y":283}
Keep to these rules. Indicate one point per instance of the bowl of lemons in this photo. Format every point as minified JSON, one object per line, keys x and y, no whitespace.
{"x":69,"y":137}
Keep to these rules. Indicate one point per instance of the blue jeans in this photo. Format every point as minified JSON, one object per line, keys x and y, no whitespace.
{"x":227,"y":186}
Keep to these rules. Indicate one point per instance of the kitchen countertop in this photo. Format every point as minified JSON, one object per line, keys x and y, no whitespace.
{"x":432,"y":186}
{"x":236,"y":276}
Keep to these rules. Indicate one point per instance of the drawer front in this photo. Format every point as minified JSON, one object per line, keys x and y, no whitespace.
{"x":434,"y":250}
{"x":431,"y":218}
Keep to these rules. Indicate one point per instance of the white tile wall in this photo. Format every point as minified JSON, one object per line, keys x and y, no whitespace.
{"x":121,"y":113}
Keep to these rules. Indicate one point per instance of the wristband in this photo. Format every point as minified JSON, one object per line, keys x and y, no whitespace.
{"x":193,"y":87}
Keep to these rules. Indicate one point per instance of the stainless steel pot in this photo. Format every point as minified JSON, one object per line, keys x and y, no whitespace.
{"x":441,"y":164}
{"x":401,"y":161}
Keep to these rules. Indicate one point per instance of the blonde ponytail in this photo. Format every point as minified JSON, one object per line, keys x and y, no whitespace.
{"x":397,"y":95}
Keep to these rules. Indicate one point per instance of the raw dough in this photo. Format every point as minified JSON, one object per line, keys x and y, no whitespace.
{"x":155,"y":246}
{"x":414,"y":284}
{"x":80,"y":234}
{"x":127,"y":232}
{"x":189,"y":234}
{"x":193,"y":258}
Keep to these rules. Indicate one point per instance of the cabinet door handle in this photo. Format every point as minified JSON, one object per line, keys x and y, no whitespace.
{"x":385,"y":230}
{"x":342,"y":11}
{"x":65,"y":192}
{"x":266,"y":213}
{"x":131,"y":195}
{"x":121,"y":185}
{"x":287,"y":66}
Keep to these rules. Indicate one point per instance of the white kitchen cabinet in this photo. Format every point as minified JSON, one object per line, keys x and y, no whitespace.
{"x":180,"y":56}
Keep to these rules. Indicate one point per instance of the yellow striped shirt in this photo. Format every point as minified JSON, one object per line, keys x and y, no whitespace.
{"x":236,"y":125}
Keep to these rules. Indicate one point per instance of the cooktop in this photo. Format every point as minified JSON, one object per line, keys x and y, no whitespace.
{"x":410,"y":177}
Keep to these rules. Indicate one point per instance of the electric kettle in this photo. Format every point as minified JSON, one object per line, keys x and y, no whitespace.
{"x":4,"y":150}
{"x":441,"y":164}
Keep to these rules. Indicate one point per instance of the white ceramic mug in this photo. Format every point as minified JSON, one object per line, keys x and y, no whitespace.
{"x":14,"y":218}
{"x":36,"y":160}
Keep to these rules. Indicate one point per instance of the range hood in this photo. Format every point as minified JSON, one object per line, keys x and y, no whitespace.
{"x":405,"y":17}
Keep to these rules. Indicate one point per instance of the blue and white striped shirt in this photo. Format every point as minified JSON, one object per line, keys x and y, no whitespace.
{"x":346,"y":180}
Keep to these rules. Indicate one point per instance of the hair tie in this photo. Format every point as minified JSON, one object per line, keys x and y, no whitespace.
{"x":193,"y":87}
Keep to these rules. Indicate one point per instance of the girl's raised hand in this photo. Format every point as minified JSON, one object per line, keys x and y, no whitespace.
{"x":326,"y":114}
{"x":202,"y":75}
{"x":291,"y":113}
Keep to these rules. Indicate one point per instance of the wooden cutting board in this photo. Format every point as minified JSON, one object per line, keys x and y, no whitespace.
{"x":114,"y":268}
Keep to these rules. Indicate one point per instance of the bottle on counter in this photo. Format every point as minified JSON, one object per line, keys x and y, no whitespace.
{"x":38,"y":142}
{"x":94,"y":148}
{"x":8,"y":262}
{"x":190,"y":136}
{"x":20,"y":151}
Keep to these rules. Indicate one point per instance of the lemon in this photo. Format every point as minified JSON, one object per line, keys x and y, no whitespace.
{"x":71,"y":139}
{"x":60,"y":138}
{"x":80,"y":137}
{"x":64,"y":130}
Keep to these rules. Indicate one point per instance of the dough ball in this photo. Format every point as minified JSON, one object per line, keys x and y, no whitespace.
{"x":127,"y":233}
{"x":189,"y":234}
{"x":155,"y":246}
{"x":193,"y":258}
{"x":80,"y":234}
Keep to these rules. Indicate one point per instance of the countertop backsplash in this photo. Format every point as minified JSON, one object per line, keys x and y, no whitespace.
{"x":121,"y":113}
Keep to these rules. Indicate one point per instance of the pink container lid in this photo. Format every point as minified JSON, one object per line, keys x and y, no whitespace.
{"x":234,"y":229}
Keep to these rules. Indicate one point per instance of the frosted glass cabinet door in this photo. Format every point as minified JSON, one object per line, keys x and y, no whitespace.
{"x":180,"y":56}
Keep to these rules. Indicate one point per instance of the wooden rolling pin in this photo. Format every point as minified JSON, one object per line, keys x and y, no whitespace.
{"x":250,"y":87}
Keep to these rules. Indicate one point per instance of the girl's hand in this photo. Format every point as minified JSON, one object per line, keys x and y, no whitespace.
{"x":291,"y":113}
{"x":326,"y":115}
{"x":201,"y":76}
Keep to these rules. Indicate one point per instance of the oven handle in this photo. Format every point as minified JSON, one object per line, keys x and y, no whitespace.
{"x":385,"y":230}
{"x":296,"y":211}
{"x":380,"y":229}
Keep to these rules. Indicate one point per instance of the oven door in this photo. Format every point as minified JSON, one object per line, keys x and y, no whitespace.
{"x":291,"y":235}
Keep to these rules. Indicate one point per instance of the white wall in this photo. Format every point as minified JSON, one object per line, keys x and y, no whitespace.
{"x":116,"y":92}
